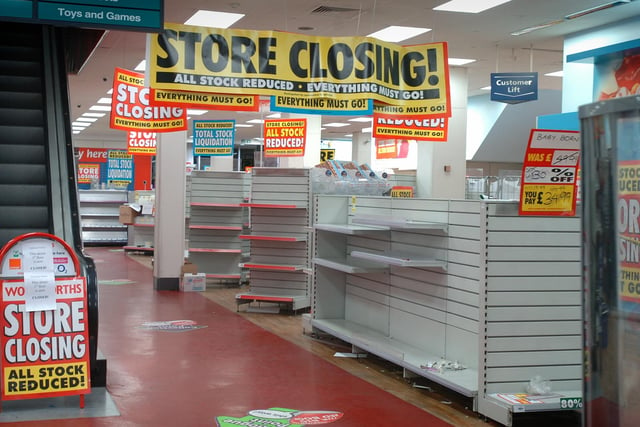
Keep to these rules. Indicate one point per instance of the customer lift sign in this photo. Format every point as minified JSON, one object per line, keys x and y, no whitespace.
{"x":45,"y":339}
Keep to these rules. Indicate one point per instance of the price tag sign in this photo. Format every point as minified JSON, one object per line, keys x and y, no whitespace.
{"x":570,"y":403}
{"x":548,"y":184}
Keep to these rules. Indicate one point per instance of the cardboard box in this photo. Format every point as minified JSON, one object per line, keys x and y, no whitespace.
{"x":188,"y":267}
{"x":127,"y":214}
{"x":193,"y":282}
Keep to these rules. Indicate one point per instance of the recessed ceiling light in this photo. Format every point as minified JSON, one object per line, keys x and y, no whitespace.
{"x":336,"y":125}
{"x":486,"y":88}
{"x":366,"y":130}
{"x":86,"y":119}
{"x":555,"y":74}
{"x":274,"y":116}
{"x":142,"y":65}
{"x":255,"y":121}
{"x":100,"y":108}
{"x":240,"y":125}
{"x":94,"y":114}
{"x":80,"y":124}
{"x":104,"y":101}
{"x":469,"y":6}
{"x":210,"y":18}
{"x":197,"y":112}
{"x":361,"y":119}
{"x":460,"y":61}
{"x":395,"y":33}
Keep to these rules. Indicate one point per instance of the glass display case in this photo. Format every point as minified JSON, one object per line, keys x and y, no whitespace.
{"x":611,"y":258}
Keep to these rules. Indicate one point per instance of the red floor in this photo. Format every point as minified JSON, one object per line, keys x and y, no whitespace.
{"x":227,"y":369}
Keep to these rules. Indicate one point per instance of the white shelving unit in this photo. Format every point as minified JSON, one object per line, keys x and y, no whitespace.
{"x":99,"y":213}
{"x":216,"y":218}
{"x":468,"y":281}
{"x":279,"y":255}
{"x":532,"y":310}
{"x":141,"y":234}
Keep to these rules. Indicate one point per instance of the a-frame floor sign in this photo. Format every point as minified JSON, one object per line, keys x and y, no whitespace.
{"x":45,"y":332}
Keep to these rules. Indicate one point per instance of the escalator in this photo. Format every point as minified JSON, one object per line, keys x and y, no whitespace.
{"x":38,"y":191}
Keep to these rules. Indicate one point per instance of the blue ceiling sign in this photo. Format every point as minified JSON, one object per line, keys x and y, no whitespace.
{"x":513,"y":88}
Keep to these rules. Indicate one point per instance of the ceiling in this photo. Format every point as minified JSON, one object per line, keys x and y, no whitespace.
{"x":485,"y":37}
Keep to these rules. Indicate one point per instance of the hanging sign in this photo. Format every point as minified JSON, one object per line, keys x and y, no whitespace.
{"x":205,"y":100}
{"x":205,"y":59}
{"x":548,"y":184}
{"x":131,"y":108}
{"x":421,"y":128}
{"x":88,"y":173}
{"x":285,"y":138}
{"x":119,"y":168}
{"x":324,"y":106}
{"x":213,"y":137}
{"x":513,"y":88}
{"x":130,"y":15}
{"x":142,"y":143}
{"x":392,"y":148}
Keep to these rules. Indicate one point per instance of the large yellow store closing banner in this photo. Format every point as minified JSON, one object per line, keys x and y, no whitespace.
{"x":216,"y":60}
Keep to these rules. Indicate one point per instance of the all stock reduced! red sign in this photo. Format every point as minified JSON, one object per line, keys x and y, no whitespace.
{"x":45,"y":353}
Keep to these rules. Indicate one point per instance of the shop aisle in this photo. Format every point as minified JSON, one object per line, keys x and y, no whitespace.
{"x":218,"y":369}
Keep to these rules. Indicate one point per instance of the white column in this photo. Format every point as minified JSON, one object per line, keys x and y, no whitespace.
{"x":442,"y":165}
{"x":312,"y":148}
{"x":169,"y":221}
{"x":361,"y":147}
{"x":222,"y":163}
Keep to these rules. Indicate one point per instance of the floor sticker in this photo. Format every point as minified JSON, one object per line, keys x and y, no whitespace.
{"x":172,"y":325}
{"x":116,"y":282}
{"x":277,"y":417}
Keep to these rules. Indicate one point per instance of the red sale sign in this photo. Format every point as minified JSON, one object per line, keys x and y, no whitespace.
{"x":45,"y":353}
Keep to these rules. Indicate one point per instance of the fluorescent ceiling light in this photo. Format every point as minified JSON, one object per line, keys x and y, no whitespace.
{"x":75,"y":132}
{"x":336,"y":125}
{"x":86,"y":119}
{"x":469,"y":6}
{"x":396,"y":33}
{"x":536,"y":28}
{"x":196,"y":112}
{"x":555,"y":74}
{"x":366,"y":130}
{"x":94,"y":115}
{"x":255,"y":121}
{"x":361,"y":119}
{"x":80,"y":124}
{"x":486,"y":88}
{"x":243,"y":126}
{"x":100,"y":108}
{"x":274,"y":116}
{"x":210,"y":18}
{"x":104,"y":101}
{"x":460,"y":61}
{"x":595,"y":9}
{"x":349,"y":135}
{"x":142,"y":65}
{"x":110,"y":91}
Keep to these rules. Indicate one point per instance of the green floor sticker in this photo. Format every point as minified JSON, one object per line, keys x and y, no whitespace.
{"x":280,"y":417}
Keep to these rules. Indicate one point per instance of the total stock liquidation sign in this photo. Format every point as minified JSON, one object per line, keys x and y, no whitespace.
{"x":274,"y":63}
{"x":45,"y":353}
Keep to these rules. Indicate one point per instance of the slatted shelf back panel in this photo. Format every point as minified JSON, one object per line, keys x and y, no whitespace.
{"x":215,"y":223}
{"x":533,"y":300}
{"x":463,"y":284}
{"x":419,"y":295}
{"x":367,"y":295}
{"x":280,"y":237}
